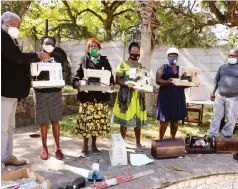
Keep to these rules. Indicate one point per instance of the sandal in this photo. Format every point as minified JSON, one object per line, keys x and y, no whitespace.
{"x":58,"y":154}
{"x":139,"y":148}
{"x":44,"y":154}
{"x":95,"y":151}
{"x":84,"y":154}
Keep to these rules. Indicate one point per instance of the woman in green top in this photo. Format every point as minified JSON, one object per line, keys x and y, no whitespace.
{"x":129,"y":108}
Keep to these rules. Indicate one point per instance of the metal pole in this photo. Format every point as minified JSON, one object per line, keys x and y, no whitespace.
{"x":46,"y":27}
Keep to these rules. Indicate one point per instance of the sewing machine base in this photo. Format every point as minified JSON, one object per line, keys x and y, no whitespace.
{"x":144,"y":88}
{"x":138,"y":87}
{"x":199,"y":150}
{"x":105,"y":89}
{"x":179,"y":82}
{"x":47,"y":84}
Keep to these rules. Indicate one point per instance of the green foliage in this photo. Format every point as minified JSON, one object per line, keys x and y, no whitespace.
{"x":76,"y":22}
{"x":182,"y":28}
{"x":13,"y":6}
{"x":182,"y":23}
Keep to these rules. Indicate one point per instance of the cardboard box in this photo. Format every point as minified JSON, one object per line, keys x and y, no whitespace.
{"x":25,"y":173}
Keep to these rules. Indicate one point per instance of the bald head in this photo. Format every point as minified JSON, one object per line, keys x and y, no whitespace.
{"x":233,"y":53}
{"x":10,"y":19}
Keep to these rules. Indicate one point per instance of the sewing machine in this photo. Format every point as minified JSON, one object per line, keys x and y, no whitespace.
{"x":55,"y":74}
{"x":96,"y":80}
{"x":187,"y":77}
{"x":139,"y":80}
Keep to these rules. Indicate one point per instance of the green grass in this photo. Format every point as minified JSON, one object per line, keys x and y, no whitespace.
{"x":150,"y":131}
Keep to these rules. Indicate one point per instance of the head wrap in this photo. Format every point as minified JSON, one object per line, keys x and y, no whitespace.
{"x":94,"y":40}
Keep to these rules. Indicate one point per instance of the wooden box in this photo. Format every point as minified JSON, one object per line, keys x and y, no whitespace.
{"x":168,"y":148}
{"x":226,"y":145}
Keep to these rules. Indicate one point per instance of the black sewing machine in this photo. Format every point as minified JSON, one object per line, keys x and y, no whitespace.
{"x":199,"y":145}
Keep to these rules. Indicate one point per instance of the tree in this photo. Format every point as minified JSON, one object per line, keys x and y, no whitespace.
{"x":106,"y":12}
{"x":225,"y":12}
{"x":105,"y":20}
{"x":18,"y":7}
{"x":183,"y":23}
{"x":189,"y":23}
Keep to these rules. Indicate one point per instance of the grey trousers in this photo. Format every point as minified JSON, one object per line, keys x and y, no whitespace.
{"x":8,"y":111}
{"x":229,"y":108}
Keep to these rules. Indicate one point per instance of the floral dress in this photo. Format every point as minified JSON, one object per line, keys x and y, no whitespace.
{"x":93,"y":118}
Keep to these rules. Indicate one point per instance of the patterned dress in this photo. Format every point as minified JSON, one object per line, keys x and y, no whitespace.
{"x":129,"y":108}
{"x":93,"y":118}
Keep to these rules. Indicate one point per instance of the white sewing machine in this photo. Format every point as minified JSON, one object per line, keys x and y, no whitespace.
{"x":187,"y":77}
{"x":96,"y":80}
{"x":140,"y":80}
{"x":55,"y":74}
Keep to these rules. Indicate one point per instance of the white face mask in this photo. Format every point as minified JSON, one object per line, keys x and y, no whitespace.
{"x":13,"y":32}
{"x":48,"y":48}
{"x":232,"y":60}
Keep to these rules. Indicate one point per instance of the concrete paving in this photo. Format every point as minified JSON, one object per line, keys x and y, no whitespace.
{"x":61,"y":172}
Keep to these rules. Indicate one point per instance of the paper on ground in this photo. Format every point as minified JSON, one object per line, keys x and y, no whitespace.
{"x":139,"y":159}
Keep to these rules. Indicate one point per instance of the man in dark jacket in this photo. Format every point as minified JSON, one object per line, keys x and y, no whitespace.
{"x":15,"y":84}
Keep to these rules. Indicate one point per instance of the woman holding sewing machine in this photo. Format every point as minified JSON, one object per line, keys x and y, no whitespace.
{"x":48,"y":101}
{"x":129,"y":109}
{"x":171,"y":104}
{"x":93,"y":119}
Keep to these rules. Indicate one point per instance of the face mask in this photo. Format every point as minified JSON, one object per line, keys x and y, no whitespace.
{"x":13,"y":32}
{"x":232,"y":60}
{"x":94,"y":52}
{"x":48,"y":48}
{"x":172,"y":61}
{"x":135,"y":56}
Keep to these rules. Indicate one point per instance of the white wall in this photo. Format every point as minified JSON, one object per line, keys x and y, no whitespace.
{"x":209,"y":60}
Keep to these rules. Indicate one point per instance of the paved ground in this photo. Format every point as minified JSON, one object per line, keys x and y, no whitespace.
{"x":62,"y":172}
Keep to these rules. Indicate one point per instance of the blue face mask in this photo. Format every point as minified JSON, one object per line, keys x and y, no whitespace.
{"x":172,"y":60}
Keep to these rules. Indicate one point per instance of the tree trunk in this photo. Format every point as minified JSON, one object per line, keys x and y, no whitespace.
{"x":147,"y":16}
{"x":108,"y":27}
{"x":23,"y":8}
{"x":146,"y":47}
